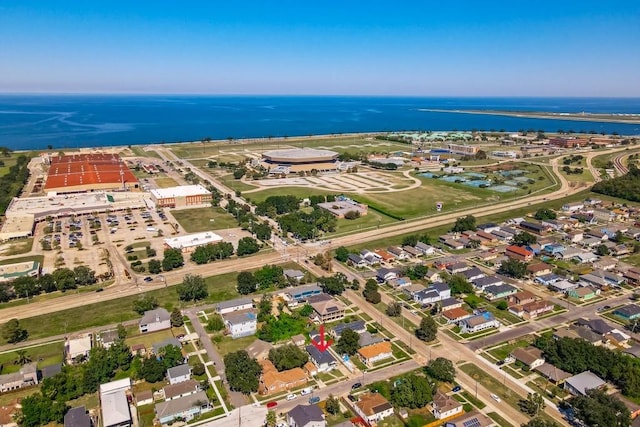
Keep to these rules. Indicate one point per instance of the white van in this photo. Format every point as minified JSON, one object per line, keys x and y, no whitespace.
{"x":306,"y":391}
{"x":151,"y":229}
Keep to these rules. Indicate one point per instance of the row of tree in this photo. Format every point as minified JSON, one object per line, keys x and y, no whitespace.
{"x":263,"y":278}
{"x":61,"y":279}
{"x":625,"y":187}
{"x":12,"y":182}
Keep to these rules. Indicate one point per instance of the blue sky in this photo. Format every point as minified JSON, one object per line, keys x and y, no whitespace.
{"x":422,"y":48}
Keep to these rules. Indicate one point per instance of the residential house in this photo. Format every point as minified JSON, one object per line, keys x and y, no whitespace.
{"x":323,"y":360}
{"x":303,"y":293}
{"x":533,"y":227}
{"x":326,"y":309}
{"x":488,"y":227}
{"x":50,"y":371}
{"x":585,"y":257}
{"x":398,"y":252}
{"x":272,"y":381}
{"x":434,"y":293}
{"x":455,"y":315}
{"x":238,"y":304}
{"x":77,"y":348}
{"x":445,"y":406}
{"x":478,"y":322}
{"x":457,"y":267}
{"x":179,"y":374}
{"x":597,"y":325}
{"x":412,"y":251}
{"x":522,"y":297}
{"x":605,"y":263}
{"x":182,"y":389}
{"x":375,"y":353}
{"x":573,"y":206}
{"x":583,"y":293}
{"x":539,"y":269}
{"x":548,"y":279}
{"x":114,"y":403}
{"x":620,"y":250}
{"x":472,"y":274}
{"x":499,"y":291}
{"x":357,"y":261}
{"x":367,"y":339}
{"x":293,"y":275}
{"x":25,"y":377}
{"x":371,"y":258}
{"x":529,"y":356}
{"x":574,"y":236}
{"x":241,"y":323}
{"x":425,"y":249}
{"x":600,"y":235}
{"x":487,"y":256}
{"x":385,"y":256}
{"x":155,"y":320}
{"x":77,"y":417}
{"x":156,"y":348}
{"x":400,"y":282}
{"x":471,"y":419}
{"x":632,"y":276}
{"x":108,"y":338}
{"x":450,"y":304}
{"x":146,"y":397}
{"x":184,"y":408}
{"x":358,"y":326}
{"x":628,"y":312}
{"x":306,"y":416}
{"x":531,"y":310}
{"x":491,"y":237}
{"x":553,"y":248}
{"x":503,"y":235}
{"x":413,"y":289}
{"x":553,"y":374}
{"x":578,"y":385}
{"x":385,"y":274}
{"x":484,"y":282}
{"x":519,"y":253}
{"x":604,"y":215}
{"x":298,"y":340}
{"x":373,"y":407}
{"x":433,"y":275}
{"x":564,"y":286}
{"x":580,"y":332}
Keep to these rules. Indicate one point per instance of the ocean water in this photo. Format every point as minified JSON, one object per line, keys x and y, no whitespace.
{"x":73,"y":121}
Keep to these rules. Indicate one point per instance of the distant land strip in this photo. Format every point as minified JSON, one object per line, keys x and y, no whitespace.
{"x":583,"y":117}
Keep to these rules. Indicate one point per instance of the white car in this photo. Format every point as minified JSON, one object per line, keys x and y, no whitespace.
{"x":292,"y":396}
{"x":495,"y":397}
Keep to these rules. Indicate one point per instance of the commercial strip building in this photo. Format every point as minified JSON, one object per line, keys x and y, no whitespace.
{"x":189,"y":242}
{"x":181,"y":196}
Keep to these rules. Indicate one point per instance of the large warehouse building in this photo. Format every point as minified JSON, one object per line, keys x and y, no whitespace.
{"x":300,"y":160}
{"x":182,"y":196}
{"x":77,"y":173}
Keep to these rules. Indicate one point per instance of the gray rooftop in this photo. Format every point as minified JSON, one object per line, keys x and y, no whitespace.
{"x":179,"y":371}
{"x":304,"y":414}
{"x":153,"y":316}
{"x":177,"y":406}
{"x":77,"y":417}
{"x":115,"y":409}
{"x":233,"y":303}
{"x":585,"y":381}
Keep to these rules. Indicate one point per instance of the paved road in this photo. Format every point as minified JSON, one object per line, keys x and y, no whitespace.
{"x":237,"y":399}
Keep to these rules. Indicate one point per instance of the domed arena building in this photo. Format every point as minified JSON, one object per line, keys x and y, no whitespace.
{"x":300,"y":160}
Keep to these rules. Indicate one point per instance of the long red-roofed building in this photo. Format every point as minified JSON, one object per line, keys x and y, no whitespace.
{"x":89,"y":172}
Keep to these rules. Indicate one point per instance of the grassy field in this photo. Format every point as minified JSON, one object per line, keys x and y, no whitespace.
{"x":8,"y":162}
{"x":39,"y":258}
{"x":503,"y":351}
{"x":491,"y":383}
{"x":138,"y":151}
{"x":228,"y":345}
{"x":45,"y":355}
{"x":165,"y":182}
{"x":234,"y":184}
{"x":498,"y":419}
{"x":19,"y":247}
{"x":150,"y":338}
{"x":585,"y":176}
{"x":199,"y":219}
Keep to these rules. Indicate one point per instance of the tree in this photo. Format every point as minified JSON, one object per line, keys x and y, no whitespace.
{"x":264,"y":308}
{"x":441,"y":369}
{"x":410,"y":240}
{"x":342,"y":254}
{"x":155,"y":266}
{"x":12,"y":332}
{"x":427,"y":330}
{"x":64,"y":279}
{"x":192,"y":288}
{"x":600,"y":409}
{"x":172,"y":259}
{"x":247,"y":246}
{"x":602,"y":250}
{"x":146,"y":303}
{"x":348,"y":342}
{"x":153,"y":370}
{"x":524,"y":239}
{"x":270,"y":275}
{"x":215,"y":323}
{"x":513,"y":268}
{"x":532,"y":405}
{"x":287,"y":357}
{"x":176,"y":318}
{"x":540,"y":422}
{"x":545,"y":213}
{"x":465,"y":223}
{"x":242,"y":372}
{"x":332,"y":405}
{"x":122,"y":332}
{"x":246,"y":283}
{"x":22,"y":358}
{"x":459,"y":284}
{"x":333,"y":285}
{"x":502,"y":305}
{"x":262,"y":231}
{"x":84,"y":275}
{"x":271,"y":419}
{"x":394,"y":309}
{"x":411,"y":391}
{"x":198,"y":369}
{"x":171,"y":356}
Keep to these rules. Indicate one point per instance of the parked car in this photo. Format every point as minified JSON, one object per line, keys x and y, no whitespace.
{"x":305,"y":391}
{"x":457,"y":389}
{"x":271,"y":405}
{"x":356,"y":385}
{"x":148,"y":279}
{"x":314,"y":400}
{"x":292,"y":396}
{"x":352,"y":398}
{"x":495,"y":397}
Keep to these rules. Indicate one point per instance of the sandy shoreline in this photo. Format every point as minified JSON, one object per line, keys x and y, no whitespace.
{"x":584,"y":117}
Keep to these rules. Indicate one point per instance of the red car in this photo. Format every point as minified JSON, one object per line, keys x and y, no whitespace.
{"x":272,"y":405}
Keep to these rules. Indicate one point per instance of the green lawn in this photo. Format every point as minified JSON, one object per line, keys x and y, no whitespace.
{"x":199,"y":219}
{"x":44,"y":355}
{"x":150,"y":338}
{"x":503,"y":351}
{"x":38,"y":258}
{"x":19,"y":247}
{"x":165,"y":182}
{"x":491,"y":383}
{"x":228,"y":345}
{"x":498,"y":419}
{"x":234,"y":184}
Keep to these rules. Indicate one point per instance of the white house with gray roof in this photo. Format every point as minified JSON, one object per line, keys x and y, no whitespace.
{"x":225,"y":307}
{"x":155,"y":320}
{"x":179,"y":374}
{"x":583,"y":382}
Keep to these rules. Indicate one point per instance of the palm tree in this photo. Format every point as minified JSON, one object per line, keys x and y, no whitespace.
{"x":23,"y":358}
